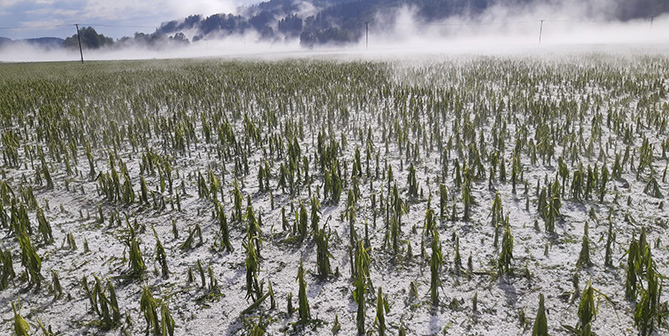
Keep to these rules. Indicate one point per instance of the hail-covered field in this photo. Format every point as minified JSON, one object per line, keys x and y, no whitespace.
{"x":413,"y":196}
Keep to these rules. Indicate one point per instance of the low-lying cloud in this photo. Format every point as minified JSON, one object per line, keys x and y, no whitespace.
{"x":497,"y":29}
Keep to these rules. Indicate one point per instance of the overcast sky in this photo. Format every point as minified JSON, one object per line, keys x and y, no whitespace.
{"x":56,"y":18}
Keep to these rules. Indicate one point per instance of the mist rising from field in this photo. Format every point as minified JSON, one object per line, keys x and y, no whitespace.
{"x":501,"y":29}
{"x":498,"y":30}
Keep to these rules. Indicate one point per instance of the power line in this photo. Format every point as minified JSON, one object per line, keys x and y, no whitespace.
{"x":115,"y":26}
{"x":35,"y":27}
{"x":465,"y":24}
{"x":74,"y":24}
{"x":497,"y":23}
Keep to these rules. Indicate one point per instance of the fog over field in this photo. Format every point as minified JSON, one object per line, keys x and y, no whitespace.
{"x":578,"y":25}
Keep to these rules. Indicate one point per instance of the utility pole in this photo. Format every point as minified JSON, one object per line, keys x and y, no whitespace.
{"x":541,"y":30}
{"x":651,"y":22}
{"x":81,"y":52}
{"x":366,"y":35}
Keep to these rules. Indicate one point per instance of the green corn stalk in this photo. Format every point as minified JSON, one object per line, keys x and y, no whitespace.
{"x":435,"y":265}
{"x":360,"y":285}
{"x":357,"y":163}
{"x":113,"y":302}
{"x":542,"y":204}
{"x":57,"y":288}
{"x":19,"y":218}
{"x":166,"y":320}
{"x":47,"y":176}
{"x":46,"y":331}
{"x":336,"y":187}
{"x":175,"y":231}
{"x":71,"y":243}
{"x":649,"y":312}
{"x":336,"y":326}
{"x":653,"y":188}
{"x":213,"y":185}
{"x":202,"y":189}
{"x":137,"y":266}
{"x":496,"y":211}
{"x":382,"y":308}
{"x":633,"y":268}
{"x":213,"y":283}
{"x":190,"y":278}
{"x":303,"y":222}
{"x":7,"y":273}
{"x":430,"y":222}
{"x":237,"y":200}
{"x":257,"y":330}
{"x":586,"y":311}
{"x":412,"y":184}
{"x":252,"y":225}
{"x":315,"y":213}
{"x":467,"y":198}
{"x":577,"y":184}
{"x":351,"y":208}
{"x":323,"y":255}
{"x":188,"y":243}
{"x":608,"y":257}
{"x":540,"y":323}
{"x":443,"y":201}
{"x":104,"y":309}
{"x":355,"y":188}
{"x":584,"y":255}
{"x":44,"y":227}
{"x":457,"y":260}
{"x":91,"y":162}
{"x":127,"y":193}
{"x":506,"y":255}
{"x":21,"y":327}
{"x":203,"y":278}
{"x":305,"y":315}
{"x":362,"y":280}
{"x":144,"y":191}
{"x":30,"y":260}
{"x":457,"y":179}
{"x":271,"y":296}
{"x":289,"y":304}
{"x":223,"y":227}
{"x":161,"y":256}
{"x":475,"y":302}
{"x":149,"y":307}
{"x":590,"y":181}
{"x":515,"y":170}
{"x":92,"y":298}
{"x":261,"y":179}
{"x":252,"y":265}
{"x":553,"y":208}
{"x":602,"y":185}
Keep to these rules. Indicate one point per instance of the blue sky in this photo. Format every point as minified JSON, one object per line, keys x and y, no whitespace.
{"x":115,"y":18}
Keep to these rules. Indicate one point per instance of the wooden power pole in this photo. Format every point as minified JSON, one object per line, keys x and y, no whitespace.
{"x":541,"y":30}
{"x":81,"y":51}
{"x":366,"y":35}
